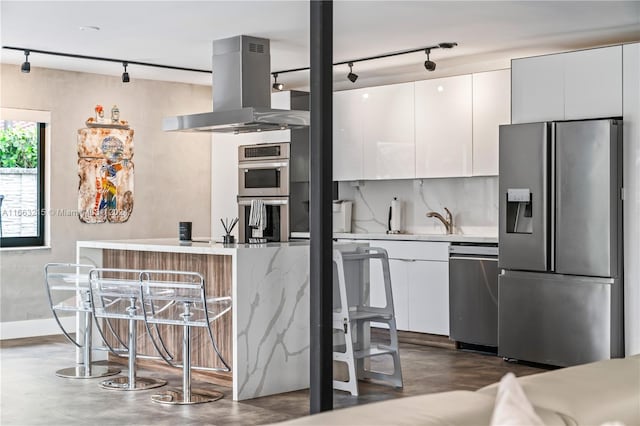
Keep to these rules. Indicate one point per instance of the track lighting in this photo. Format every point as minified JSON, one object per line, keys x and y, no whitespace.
{"x":125,"y":74}
{"x":276,"y":85}
{"x":26,"y":66}
{"x":428,"y":64}
{"x":351,"y":76}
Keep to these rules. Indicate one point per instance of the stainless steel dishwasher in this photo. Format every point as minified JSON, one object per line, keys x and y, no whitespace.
{"x":473,"y":296}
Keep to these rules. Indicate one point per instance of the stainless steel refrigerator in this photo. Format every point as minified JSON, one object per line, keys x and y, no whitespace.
{"x":560,"y":242}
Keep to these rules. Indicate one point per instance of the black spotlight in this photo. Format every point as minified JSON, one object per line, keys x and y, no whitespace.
{"x":125,"y":74}
{"x":447,"y":45}
{"x":26,"y":66}
{"x":276,"y":85}
{"x":428,"y":64}
{"x":351,"y":76}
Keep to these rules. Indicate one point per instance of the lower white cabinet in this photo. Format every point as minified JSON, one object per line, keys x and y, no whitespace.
{"x":428,"y":303}
{"x":419,"y":282}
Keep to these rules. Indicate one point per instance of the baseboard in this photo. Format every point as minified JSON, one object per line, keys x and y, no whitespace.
{"x":34,"y":328}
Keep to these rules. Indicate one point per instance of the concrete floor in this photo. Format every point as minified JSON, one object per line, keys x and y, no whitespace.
{"x":31,"y":394}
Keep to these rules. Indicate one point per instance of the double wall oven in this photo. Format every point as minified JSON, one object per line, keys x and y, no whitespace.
{"x":263,"y":174}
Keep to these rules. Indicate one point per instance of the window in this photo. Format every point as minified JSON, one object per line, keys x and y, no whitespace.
{"x":22,"y":207}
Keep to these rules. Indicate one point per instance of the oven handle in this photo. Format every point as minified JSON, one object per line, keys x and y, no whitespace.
{"x":269,"y":165}
{"x":278,"y":202}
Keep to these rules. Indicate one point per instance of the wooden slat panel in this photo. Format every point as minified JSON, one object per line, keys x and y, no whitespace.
{"x":216,"y":270}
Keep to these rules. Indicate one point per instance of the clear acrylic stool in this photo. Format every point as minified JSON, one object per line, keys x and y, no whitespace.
{"x":116,"y":295}
{"x":179,"y":299}
{"x":67,"y":286}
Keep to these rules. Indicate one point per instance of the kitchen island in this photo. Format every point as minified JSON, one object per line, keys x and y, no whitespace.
{"x":266,"y":335}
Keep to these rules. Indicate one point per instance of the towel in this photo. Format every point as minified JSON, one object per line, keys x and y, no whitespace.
{"x":258,"y":215}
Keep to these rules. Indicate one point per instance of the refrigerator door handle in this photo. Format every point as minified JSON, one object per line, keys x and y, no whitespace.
{"x":552,"y":210}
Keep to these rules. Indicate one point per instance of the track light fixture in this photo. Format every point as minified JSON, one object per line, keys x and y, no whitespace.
{"x":26,"y":66}
{"x":125,"y":74}
{"x":428,"y":64}
{"x":276,"y":85}
{"x":351,"y":76}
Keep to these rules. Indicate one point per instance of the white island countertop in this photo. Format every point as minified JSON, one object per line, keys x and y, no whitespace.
{"x":453,"y":238}
{"x":173,"y":245}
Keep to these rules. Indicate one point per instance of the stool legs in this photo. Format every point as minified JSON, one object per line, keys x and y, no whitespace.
{"x":186,"y":396}
{"x":132,"y":382}
{"x":86,"y":370}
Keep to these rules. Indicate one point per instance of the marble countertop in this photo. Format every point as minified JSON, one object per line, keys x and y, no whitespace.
{"x":454,"y":238}
{"x":173,"y":245}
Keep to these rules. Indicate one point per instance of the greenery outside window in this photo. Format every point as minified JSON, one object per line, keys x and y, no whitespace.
{"x":22,"y":207}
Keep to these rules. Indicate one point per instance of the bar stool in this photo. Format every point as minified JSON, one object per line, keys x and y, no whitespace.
{"x":116,"y":295}
{"x":179,"y":299}
{"x":356,"y":313}
{"x":67,"y":287}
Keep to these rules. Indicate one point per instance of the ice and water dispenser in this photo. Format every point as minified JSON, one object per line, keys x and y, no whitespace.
{"x":519,"y":211}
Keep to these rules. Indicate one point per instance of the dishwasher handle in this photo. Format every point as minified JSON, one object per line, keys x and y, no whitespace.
{"x":492,"y":259}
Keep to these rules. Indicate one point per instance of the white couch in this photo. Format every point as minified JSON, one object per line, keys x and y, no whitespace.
{"x":589,"y":394}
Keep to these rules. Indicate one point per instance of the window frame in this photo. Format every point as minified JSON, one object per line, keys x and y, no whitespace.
{"x":39,"y":240}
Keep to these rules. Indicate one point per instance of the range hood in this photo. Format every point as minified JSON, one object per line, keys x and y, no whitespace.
{"x":241,"y":93}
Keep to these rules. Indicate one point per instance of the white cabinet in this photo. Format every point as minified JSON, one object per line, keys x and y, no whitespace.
{"x":567,"y":86}
{"x":593,"y":83}
{"x":388,"y":132}
{"x":373,"y":133}
{"x":429,"y":296}
{"x":537,"y":89}
{"x":399,"y":288}
{"x":419,"y":282}
{"x":348,"y":135}
{"x":491,"y":108}
{"x":631,"y":133}
{"x":443,"y":121}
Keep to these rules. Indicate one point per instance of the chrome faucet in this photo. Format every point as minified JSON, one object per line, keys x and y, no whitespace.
{"x":448,"y":222}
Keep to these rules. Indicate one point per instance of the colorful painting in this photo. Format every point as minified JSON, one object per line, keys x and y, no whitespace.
{"x":105,"y":169}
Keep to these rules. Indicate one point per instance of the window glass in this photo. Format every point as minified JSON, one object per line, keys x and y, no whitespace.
{"x":21,"y":183}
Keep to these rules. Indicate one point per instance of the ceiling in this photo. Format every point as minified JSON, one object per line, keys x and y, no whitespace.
{"x":179,"y":33}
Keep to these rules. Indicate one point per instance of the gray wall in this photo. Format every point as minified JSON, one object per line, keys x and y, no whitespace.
{"x":172,"y":170}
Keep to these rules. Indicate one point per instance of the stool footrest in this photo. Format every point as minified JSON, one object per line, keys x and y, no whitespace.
{"x":176,"y":397}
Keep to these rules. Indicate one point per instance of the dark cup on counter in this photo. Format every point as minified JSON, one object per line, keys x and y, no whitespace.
{"x":184,"y":231}
{"x":228,"y":239}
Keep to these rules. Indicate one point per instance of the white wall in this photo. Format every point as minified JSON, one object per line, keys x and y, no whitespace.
{"x":172,"y":170}
{"x":472,"y":201}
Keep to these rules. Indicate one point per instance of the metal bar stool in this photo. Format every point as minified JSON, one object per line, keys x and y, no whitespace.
{"x":179,"y":299}
{"x":116,"y":295}
{"x":67,"y":287}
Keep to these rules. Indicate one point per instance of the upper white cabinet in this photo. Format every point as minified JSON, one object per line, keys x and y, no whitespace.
{"x":491,"y":108}
{"x":388,"y":132}
{"x":593,"y":83}
{"x":348,"y":135}
{"x":568,"y":86}
{"x":373,"y":133}
{"x":443,"y":121}
{"x":537,"y":89}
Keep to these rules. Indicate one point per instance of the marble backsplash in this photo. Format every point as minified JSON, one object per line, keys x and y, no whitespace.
{"x":473,"y":202}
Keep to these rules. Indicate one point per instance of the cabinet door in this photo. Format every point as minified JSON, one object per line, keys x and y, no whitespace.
{"x":399,"y":272}
{"x":491,"y":108}
{"x":593,"y":83}
{"x":347,"y":135}
{"x":429,"y":297}
{"x":388,"y":132}
{"x":537,"y":89}
{"x":443,"y":117}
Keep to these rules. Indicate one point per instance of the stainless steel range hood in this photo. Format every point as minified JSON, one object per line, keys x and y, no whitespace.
{"x":241,"y":93}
